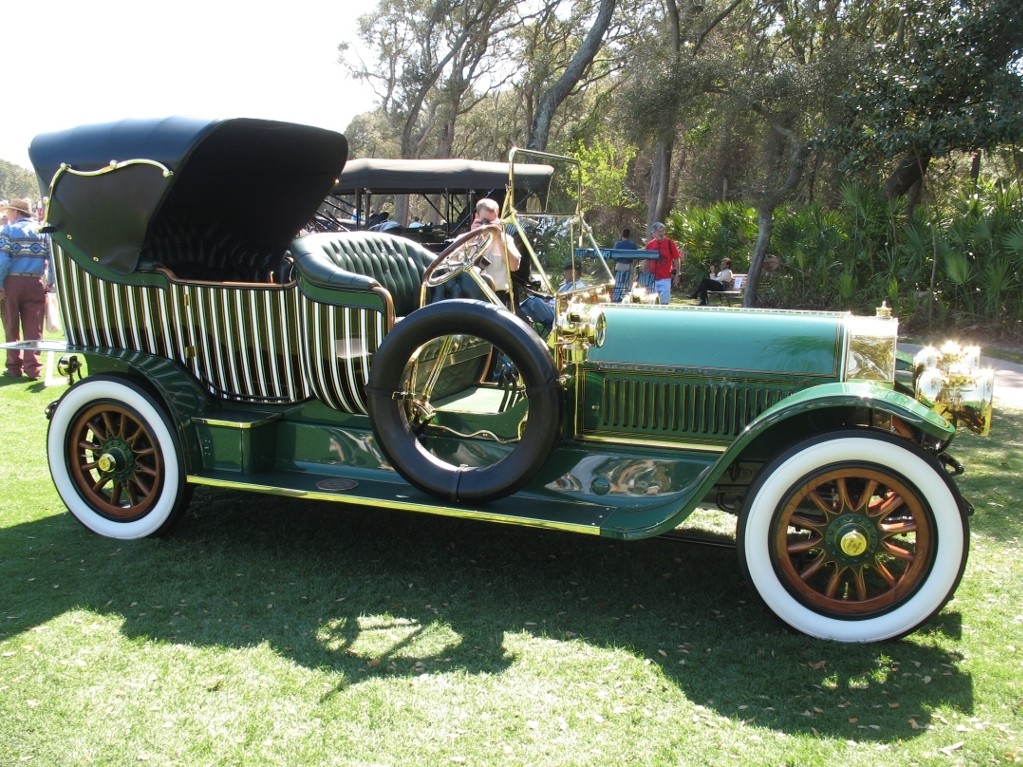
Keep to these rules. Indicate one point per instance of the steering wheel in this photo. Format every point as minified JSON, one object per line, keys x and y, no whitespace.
{"x":466,"y":251}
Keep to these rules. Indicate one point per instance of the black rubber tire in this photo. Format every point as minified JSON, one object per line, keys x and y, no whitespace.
{"x":395,"y":436}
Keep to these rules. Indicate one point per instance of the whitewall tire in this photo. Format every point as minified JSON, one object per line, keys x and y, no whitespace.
{"x":115,"y":459}
{"x":853,"y":537}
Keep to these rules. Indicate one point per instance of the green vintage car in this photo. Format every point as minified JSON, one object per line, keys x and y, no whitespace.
{"x":211,"y":342}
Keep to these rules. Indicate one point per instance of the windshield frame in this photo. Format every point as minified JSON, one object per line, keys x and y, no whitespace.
{"x":552,"y":229}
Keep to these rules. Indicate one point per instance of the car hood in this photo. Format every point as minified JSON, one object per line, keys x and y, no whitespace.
{"x":747,"y":341}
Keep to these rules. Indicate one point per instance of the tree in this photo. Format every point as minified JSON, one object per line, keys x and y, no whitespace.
{"x":552,"y":97}
{"x":792,"y":69}
{"x":947,"y":78}
{"x":669,"y":83}
{"x":429,"y":54}
{"x":604,"y":169}
{"x":16,"y":181}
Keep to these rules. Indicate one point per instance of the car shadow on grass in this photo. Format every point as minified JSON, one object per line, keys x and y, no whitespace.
{"x":366,"y":594}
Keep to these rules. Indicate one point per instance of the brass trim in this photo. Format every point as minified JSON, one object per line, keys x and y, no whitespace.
{"x":230,"y":424}
{"x":65,"y":168}
{"x":646,"y":442}
{"x":672,"y":372}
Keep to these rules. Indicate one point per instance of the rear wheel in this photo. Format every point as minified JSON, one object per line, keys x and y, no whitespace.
{"x":853,"y":538}
{"x":115,"y":459}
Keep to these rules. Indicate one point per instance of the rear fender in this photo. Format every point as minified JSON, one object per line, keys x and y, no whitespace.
{"x":175,"y":388}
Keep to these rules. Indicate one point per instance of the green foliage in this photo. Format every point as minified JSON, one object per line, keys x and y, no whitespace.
{"x":370,"y":135}
{"x":722,"y":230}
{"x":604,"y":168}
{"x":944,"y":82}
{"x":710,"y":234}
{"x":689,"y":105}
{"x":962,"y":269}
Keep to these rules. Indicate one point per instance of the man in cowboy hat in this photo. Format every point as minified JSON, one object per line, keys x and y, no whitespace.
{"x":25,"y":278}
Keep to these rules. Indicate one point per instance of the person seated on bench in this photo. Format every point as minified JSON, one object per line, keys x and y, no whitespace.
{"x":722,"y":280}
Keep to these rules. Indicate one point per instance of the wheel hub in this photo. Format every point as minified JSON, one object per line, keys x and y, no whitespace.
{"x":851,"y":539}
{"x":853,"y":543}
{"x":115,"y":459}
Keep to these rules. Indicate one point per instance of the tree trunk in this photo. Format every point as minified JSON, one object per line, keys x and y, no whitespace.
{"x":658,"y":201}
{"x":658,"y":198}
{"x":765,"y":213}
{"x":765,"y":225}
{"x":540,"y":130}
{"x":975,"y":168}
{"x":910,"y":171}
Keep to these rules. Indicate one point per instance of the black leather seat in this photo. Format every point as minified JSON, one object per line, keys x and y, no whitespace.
{"x":206,"y":250}
{"x":364,"y":261}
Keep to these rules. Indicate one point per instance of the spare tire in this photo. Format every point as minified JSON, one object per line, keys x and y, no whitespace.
{"x":397,"y":437}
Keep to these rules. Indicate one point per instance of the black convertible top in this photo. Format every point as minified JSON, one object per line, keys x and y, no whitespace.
{"x":111,"y":185}
{"x":383,"y":176}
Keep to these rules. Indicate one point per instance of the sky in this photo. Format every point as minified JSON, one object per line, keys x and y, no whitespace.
{"x":90,"y":62}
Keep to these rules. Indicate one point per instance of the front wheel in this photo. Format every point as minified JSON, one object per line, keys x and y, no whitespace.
{"x":116,"y":460}
{"x":854,"y":538}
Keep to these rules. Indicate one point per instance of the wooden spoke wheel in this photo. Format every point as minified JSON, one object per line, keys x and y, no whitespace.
{"x":853,"y":541}
{"x":854,"y":535}
{"x":115,"y":459}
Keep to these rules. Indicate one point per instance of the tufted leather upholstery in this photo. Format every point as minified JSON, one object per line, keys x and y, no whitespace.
{"x":363,"y":261}
{"x":197,"y":249}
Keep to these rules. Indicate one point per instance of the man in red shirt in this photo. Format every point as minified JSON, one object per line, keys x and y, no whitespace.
{"x":669,"y":258}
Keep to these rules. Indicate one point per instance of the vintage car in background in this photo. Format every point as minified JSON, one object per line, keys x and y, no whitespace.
{"x":207,"y":344}
{"x":370,"y":188}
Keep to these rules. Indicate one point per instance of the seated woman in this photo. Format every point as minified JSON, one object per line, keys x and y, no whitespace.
{"x":716,"y":282}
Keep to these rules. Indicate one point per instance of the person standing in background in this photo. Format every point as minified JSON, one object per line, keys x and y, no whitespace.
{"x":623,"y":266}
{"x":26,"y":276}
{"x":668,"y":259}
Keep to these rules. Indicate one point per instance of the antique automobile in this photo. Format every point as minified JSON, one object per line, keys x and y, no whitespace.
{"x":207,"y":343}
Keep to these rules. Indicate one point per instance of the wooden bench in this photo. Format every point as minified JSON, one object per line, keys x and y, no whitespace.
{"x":726,"y":296}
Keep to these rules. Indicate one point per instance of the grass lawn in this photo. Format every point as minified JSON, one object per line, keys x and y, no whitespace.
{"x":268,"y":631}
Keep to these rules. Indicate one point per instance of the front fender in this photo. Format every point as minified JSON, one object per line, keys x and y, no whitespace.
{"x":818,"y":401}
{"x":845,"y":395}
{"x":822,"y":408}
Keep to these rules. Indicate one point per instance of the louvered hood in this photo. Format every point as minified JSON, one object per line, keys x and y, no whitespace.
{"x":667,"y":374}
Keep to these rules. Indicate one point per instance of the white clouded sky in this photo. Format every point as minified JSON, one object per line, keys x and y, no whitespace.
{"x":92,"y":61}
